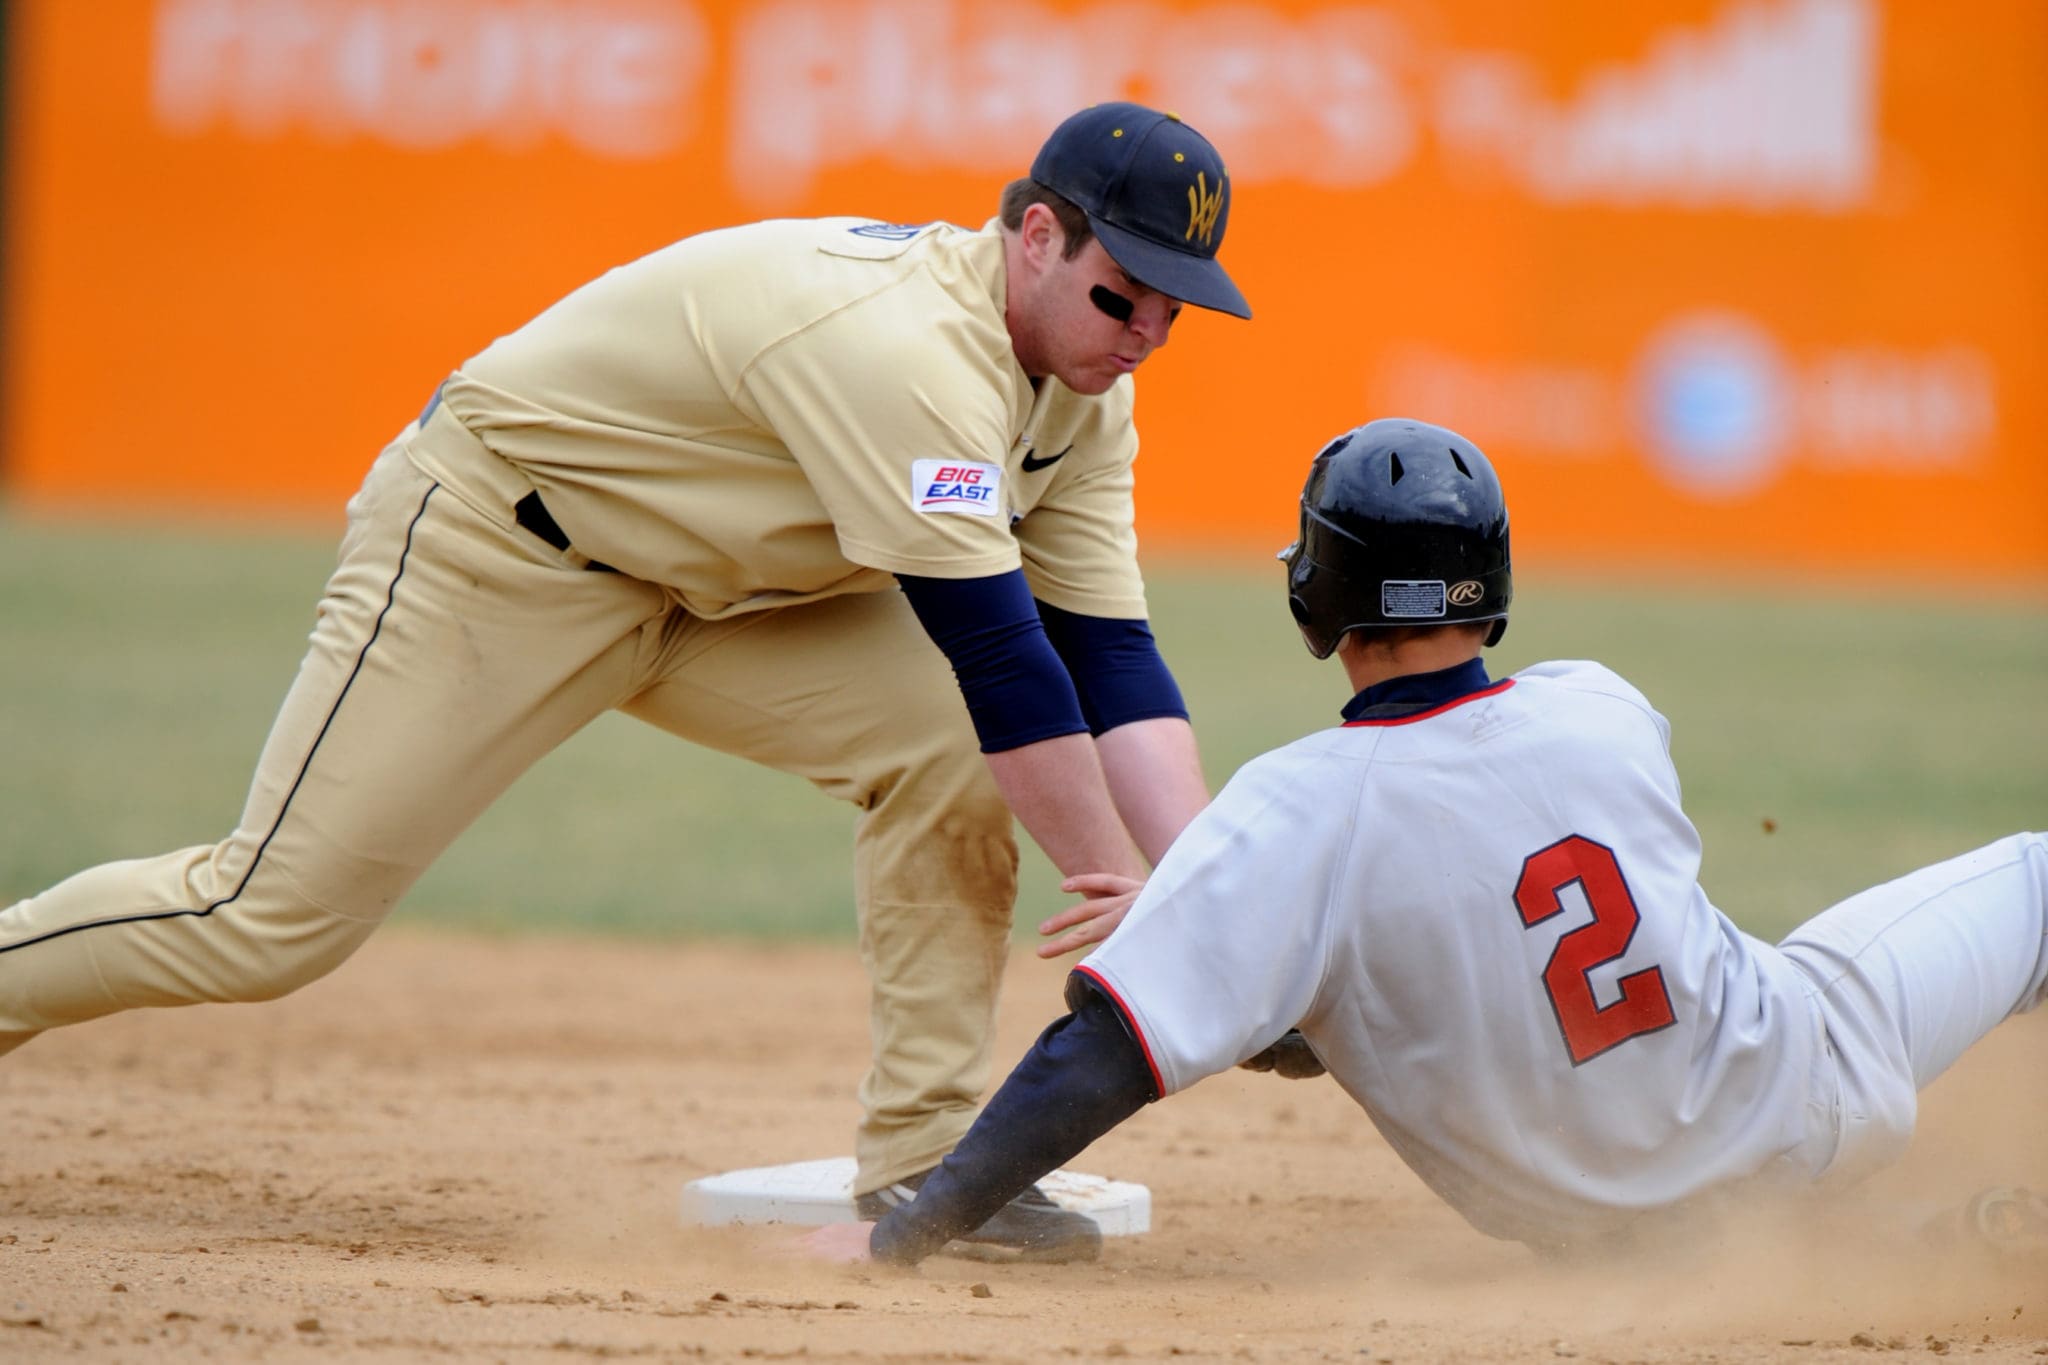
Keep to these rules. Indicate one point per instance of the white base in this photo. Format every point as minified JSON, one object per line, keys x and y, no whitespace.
{"x":812,"y":1193}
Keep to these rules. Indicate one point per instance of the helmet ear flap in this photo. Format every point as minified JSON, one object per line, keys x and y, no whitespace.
{"x":1301,"y":585}
{"x":1500,"y":628}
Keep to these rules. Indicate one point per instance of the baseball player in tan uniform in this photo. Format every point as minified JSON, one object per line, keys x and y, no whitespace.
{"x":740,"y":489}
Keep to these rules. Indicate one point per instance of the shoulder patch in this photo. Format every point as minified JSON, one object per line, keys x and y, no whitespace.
{"x":889,"y":232}
{"x":878,"y":241}
{"x":956,"y":486}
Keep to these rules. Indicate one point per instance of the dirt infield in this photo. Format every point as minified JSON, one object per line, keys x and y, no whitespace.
{"x":471,"y":1149}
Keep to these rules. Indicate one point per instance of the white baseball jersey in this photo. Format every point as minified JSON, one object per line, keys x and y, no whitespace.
{"x":1486,"y":920}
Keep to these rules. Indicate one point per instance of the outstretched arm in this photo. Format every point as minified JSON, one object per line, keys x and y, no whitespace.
{"x":1155,"y":776}
{"x":1141,"y":729}
{"x":1134,"y":709}
{"x":1035,"y":698}
{"x":1085,"y":1075}
{"x":1157,"y":782}
{"x":1058,"y":792}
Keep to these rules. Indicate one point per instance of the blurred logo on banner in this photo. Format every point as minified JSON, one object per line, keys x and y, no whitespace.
{"x":618,"y":78}
{"x":1765,"y":105}
{"x":1717,"y":404}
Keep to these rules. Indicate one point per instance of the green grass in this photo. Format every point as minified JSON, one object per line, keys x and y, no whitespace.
{"x":139,"y":669}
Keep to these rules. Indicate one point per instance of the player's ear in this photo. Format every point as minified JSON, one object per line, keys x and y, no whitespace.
{"x":1041,"y":235}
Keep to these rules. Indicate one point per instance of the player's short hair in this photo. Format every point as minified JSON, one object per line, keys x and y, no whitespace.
{"x":1392,"y":636}
{"x":1022,"y":193}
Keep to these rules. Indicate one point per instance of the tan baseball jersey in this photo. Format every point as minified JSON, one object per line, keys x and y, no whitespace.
{"x":794,"y":409}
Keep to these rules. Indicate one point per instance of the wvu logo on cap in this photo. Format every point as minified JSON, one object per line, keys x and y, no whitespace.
{"x":1204,"y":207}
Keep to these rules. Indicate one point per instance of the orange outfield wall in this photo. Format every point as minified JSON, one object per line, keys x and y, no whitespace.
{"x":1732,"y":284}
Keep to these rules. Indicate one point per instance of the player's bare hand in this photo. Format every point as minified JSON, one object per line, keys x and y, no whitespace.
{"x":842,"y":1243}
{"x":1107,"y":898}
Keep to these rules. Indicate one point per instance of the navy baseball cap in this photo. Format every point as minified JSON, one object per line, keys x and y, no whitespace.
{"x":1155,"y":193}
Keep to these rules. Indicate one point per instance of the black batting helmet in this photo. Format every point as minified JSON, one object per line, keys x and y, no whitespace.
{"x":1402,"y":524}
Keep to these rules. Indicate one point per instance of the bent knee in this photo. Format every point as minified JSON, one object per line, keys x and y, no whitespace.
{"x":960,"y":853}
{"x":243,"y":954}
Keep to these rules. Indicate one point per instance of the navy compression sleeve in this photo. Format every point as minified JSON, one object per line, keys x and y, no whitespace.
{"x":1084,"y":1076}
{"x":1115,"y":666}
{"x":1017,"y":690}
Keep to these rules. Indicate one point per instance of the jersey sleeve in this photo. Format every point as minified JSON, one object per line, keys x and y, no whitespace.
{"x":901,"y":427}
{"x":1229,"y":943}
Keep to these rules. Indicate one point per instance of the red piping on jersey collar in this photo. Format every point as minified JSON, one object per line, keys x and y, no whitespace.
{"x":1503,"y":685}
{"x":1158,"y":1081}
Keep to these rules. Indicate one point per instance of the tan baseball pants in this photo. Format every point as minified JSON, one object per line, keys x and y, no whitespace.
{"x":453,"y":649}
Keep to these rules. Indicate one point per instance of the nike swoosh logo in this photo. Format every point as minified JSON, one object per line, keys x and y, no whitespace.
{"x":1032,"y":464}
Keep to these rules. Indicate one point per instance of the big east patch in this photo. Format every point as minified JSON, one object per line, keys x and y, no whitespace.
{"x":956,"y":486}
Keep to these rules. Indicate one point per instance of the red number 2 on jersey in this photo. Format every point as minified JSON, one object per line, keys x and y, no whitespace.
{"x":1645,"y":1006}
